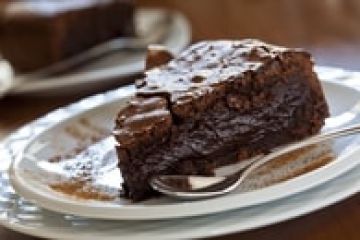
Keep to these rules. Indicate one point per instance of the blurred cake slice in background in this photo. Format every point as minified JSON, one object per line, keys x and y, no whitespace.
{"x":35,"y":34}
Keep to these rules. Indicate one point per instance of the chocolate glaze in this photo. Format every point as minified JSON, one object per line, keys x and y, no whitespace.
{"x":213,"y":62}
{"x":222,"y":98}
{"x":141,"y":119}
{"x":157,"y":56}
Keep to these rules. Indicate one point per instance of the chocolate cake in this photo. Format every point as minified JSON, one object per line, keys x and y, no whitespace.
{"x":34,"y":34}
{"x":216,"y":103}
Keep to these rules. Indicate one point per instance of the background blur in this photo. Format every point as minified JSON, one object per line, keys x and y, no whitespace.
{"x":330,"y":29}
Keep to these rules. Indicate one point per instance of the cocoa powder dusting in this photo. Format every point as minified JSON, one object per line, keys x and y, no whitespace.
{"x":82,"y":190}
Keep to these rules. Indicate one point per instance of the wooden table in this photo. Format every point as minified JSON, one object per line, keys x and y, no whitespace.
{"x":330,"y":30}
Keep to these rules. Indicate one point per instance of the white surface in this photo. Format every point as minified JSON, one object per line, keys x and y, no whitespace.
{"x":23,"y":216}
{"x":31,"y":179}
{"x":6,"y":75}
{"x":109,"y":70}
{"x":26,"y":218}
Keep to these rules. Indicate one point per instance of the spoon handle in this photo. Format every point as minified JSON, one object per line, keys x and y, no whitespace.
{"x":345,"y":131}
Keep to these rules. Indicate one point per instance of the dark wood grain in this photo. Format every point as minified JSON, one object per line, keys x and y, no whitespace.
{"x":330,"y":29}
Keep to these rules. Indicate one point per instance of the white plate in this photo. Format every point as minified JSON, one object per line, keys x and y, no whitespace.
{"x":30,"y":175}
{"x":21,"y":215}
{"x":110,"y":70}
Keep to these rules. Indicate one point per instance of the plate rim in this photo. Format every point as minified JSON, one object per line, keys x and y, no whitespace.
{"x":127,"y":213}
{"x":316,"y":205}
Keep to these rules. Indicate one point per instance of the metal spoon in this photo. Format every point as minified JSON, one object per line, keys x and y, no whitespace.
{"x":189,"y":187}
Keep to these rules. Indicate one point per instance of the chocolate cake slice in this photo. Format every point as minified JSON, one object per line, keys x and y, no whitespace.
{"x":216,"y":103}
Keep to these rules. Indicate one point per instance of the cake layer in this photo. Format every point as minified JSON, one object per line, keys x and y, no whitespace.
{"x":225,"y":101}
{"x":34,"y":34}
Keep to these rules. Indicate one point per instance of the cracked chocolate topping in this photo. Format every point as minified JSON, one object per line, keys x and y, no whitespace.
{"x":204,"y":65}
